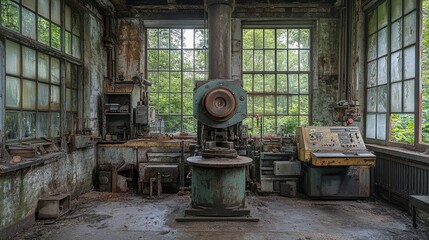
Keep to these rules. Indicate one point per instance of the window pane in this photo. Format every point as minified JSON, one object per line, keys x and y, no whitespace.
{"x":282,"y":105}
{"x":13,"y":58}
{"x":372,"y":26}
{"x":269,"y":125}
{"x":372,"y":47}
{"x":269,"y":60}
{"x":249,"y":105}
{"x":293,"y":38}
{"x":293,"y":60}
{"x":259,"y":38}
{"x":293,"y":83}
{"x":28,"y":125}
{"x":396,"y":66}
{"x":188,"y":103}
{"x":247,"y":60}
{"x":247,"y":82}
{"x":10,"y":15}
{"x":258,"y":60}
{"x":175,"y":82}
{"x":382,"y":42}
{"x":76,"y":24}
{"x":68,"y":99}
{"x":54,"y":125}
{"x":303,"y":83}
{"x":171,"y":124}
{"x":269,"y":38}
{"x":68,"y":42}
{"x":269,"y":105}
{"x":270,"y":83}
{"x":76,"y":46}
{"x":74,"y":100}
{"x":31,"y":4}
{"x":382,"y":99}
{"x":188,"y":38}
{"x":248,"y":39}
{"x":382,"y":15}
{"x":13,"y":92}
{"x":281,"y":60}
{"x":304,"y":38}
{"x":11,"y":125}
{"x":43,"y":67}
{"x":410,"y":29}
{"x":381,"y":126}
{"x":382,"y":71}
{"x":396,"y":97}
{"x":55,"y":70}
{"x":396,"y":35}
{"x":200,"y":38}
{"x":403,"y":128}
{"x":28,"y":23}
{"x":43,"y":96}
{"x":55,"y":98}
{"x":43,"y":31}
{"x":200,"y":60}
{"x":304,"y":58}
{"x":293,"y":105}
{"x":303,"y":104}
{"x":396,"y":9}
{"x":164,"y":82}
{"x":258,"y":105}
{"x":188,"y":82}
{"x":282,"y":83}
{"x":258,"y":83}
{"x":409,"y":5}
{"x":56,"y":11}
{"x":175,"y":60}
{"x":42,"y":125}
{"x":409,"y":96}
{"x":29,"y":63}
{"x":152,"y":56}
{"x":189,"y":125}
{"x":372,"y":100}
{"x":282,"y":38}
{"x":67,"y":18}
{"x":56,"y":36}
{"x":29,"y":95}
{"x":409,"y":62}
{"x":370,"y":125}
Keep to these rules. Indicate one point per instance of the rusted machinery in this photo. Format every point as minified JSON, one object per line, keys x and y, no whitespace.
{"x":336,"y":163}
{"x":220,"y":104}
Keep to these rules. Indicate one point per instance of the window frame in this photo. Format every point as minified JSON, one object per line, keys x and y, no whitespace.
{"x":418,"y":145}
{"x":294,"y":25}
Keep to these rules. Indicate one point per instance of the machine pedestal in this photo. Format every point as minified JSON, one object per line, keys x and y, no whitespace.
{"x":218,"y":190}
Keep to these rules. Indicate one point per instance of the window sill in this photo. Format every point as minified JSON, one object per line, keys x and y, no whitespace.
{"x":409,"y":155}
{"x":6,"y":167}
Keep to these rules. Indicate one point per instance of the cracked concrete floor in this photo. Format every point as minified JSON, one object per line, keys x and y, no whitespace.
{"x":103,"y":216}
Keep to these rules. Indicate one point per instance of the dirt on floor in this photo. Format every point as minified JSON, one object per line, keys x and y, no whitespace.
{"x":98,"y":215}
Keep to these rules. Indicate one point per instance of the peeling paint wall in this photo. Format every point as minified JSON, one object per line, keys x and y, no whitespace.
{"x":21,"y":190}
{"x":131,"y":47}
{"x":325,"y":68}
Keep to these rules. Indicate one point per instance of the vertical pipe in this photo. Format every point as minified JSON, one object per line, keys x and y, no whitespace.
{"x":219,"y":22}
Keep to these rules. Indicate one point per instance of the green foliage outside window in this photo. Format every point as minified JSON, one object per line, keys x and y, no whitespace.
{"x":425,"y":72}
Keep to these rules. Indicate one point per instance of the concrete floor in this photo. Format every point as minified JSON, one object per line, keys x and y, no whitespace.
{"x":105,"y":216}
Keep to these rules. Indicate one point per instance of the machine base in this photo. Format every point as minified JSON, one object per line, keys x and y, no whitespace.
{"x":210,"y":215}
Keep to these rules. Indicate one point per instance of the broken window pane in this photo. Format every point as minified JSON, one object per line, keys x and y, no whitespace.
{"x":28,"y":125}
{"x":12,"y":121}
{"x":396,"y":66}
{"x":13,"y":92}
{"x":410,"y":62}
{"x":396,"y":97}
{"x":42,"y":125}
{"x":43,"y":30}
{"x":409,"y":96}
{"x":29,"y":63}
{"x":410,"y":31}
{"x":29,"y":94}
{"x":43,"y":96}
{"x":10,"y":15}
{"x":13,"y":58}
{"x":28,"y":23}
{"x":396,"y":35}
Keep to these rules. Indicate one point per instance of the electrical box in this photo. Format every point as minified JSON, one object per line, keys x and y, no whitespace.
{"x":145,"y":114}
{"x":285,"y":168}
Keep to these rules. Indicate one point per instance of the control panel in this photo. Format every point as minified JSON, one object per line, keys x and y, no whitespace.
{"x":345,"y":141}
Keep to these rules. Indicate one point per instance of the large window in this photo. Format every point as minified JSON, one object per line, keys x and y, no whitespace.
{"x":176,"y":58}
{"x":276,"y":73}
{"x":392,"y":71}
{"x":425,"y":71}
{"x":35,"y":93}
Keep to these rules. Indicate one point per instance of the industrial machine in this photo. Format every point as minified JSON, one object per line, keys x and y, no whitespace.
{"x":144,"y":113}
{"x":336,"y":163}
{"x":220,"y":104}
